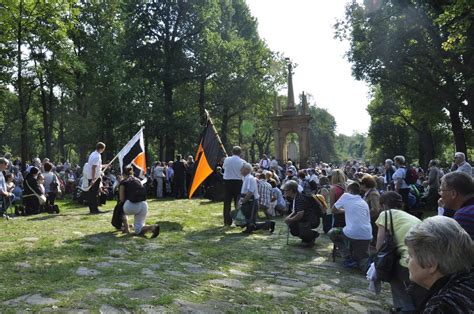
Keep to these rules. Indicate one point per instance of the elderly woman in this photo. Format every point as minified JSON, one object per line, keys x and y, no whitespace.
{"x":392,"y":203}
{"x":441,"y":256}
{"x":132,"y":194}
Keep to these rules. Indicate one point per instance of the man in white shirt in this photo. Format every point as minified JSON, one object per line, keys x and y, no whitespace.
{"x":232,"y":182}
{"x":95,"y":169}
{"x":5,"y":196}
{"x":462,"y":164}
{"x":264,"y":163}
{"x":353,"y":240}
{"x":399,"y":180}
{"x":249,"y":201}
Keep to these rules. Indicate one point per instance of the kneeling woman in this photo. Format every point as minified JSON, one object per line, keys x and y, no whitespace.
{"x":33,"y":196}
{"x":132,"y":194}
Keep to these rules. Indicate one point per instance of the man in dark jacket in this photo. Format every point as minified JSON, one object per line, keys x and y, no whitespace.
{"x":304,"y":214}
{"x":179,"y":177}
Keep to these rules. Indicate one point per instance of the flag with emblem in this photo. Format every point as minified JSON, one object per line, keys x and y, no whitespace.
{"x":133,"y":154}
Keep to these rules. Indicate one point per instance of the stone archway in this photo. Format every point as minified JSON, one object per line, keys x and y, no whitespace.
{"x":284,"y":125}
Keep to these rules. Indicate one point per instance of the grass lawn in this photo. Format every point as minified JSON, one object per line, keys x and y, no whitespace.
{"x":75,"y":262}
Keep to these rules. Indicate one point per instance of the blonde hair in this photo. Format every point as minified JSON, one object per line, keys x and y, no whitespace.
{"x":338,"y":177}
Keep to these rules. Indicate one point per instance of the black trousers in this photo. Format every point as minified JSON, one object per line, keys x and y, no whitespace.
{"x":404,"y":193}
{"x":304,"y":231}
{"x":179,"y":187}
{"x":231,"y":193}
{"x":93,"y":196}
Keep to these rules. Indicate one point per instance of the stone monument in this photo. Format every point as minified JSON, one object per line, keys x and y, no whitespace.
{"x":291,"y":121}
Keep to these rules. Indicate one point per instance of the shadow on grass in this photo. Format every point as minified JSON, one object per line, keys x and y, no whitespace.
{"x":208,"y":202}
{"x":170,"y":226}
{"x":42,"y":218}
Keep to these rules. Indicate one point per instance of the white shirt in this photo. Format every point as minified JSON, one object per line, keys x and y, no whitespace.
{"x":314,"y":178}
{"x":250,"y":185}
{"x":3,"y":183}
{"x":465,"y":167}
{"x":232,"y":166}
{"x":264,"y":163}
{"x":159,"y":172}
{"x":399,"y":176}
{"x":274,"y":163}
{"x":357,"y":216}
{"x":94,"y":160}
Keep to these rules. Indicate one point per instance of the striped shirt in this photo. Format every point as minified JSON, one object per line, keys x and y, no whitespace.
{"x":465,"y":217}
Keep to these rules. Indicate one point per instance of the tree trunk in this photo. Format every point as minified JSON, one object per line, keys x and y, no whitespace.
{"x":61,"y":137}
{"x":168,"y":110}
{"x":21,"y":98}
{"x":46,"y":104}
{"x":202,"y":99}
{"x":241,"y":139}
{"x":224,"y":127}
{"x":457,"y":128}
{"x":426,"y":146}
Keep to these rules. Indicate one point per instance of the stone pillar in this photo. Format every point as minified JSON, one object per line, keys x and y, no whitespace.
{"x":278,"y":148}
{"x":304,"y":146}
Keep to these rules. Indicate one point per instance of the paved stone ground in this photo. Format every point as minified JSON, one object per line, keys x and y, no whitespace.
{"x":195,"y":266}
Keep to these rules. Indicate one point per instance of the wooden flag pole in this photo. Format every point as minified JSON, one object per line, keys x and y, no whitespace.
{"x":215,"y":131}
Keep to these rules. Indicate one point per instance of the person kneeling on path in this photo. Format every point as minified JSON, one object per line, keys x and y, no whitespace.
{"x":249,"y":202}
{"x":305,"y":214}
{"x":132,"y":195}
{"x":353,"y":240}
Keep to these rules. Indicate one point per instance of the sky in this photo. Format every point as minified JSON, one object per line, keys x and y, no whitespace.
{"x":303,"y":31}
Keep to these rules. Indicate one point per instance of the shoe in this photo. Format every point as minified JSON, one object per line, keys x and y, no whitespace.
{"x":156,"y":231}
{"x":249,"y":229}
{"x":56,"y":209}
{"x":95,"y":212}
{"x":272,"y":226}
{"x":307,"y":244}
{"x":350,"y":263}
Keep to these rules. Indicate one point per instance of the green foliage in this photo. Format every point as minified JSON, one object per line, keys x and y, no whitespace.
{"x":414,"y":52}
{"x":93,"y":71}
{"x":322,"y":135}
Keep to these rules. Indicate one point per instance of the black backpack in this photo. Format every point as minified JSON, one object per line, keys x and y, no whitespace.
{"x":315,"y":207}
{"x":135,"y":192}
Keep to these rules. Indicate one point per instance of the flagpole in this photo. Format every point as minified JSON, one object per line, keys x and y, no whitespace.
{"x":215,"y":131}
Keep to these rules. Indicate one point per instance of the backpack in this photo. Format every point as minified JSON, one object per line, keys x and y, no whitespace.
{"x":316,"y":207}
{"x":135,"y":192}
{"x":411,"y":176}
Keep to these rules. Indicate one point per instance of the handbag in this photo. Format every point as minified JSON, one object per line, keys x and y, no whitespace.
{"x":387,"y":256}
{"x":239,"y":218}
{"x":53,"y":187}
{"x":41,"y":198}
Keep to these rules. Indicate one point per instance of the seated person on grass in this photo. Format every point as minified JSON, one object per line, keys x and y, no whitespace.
{"x":305,"y":214}
{"x":353,"y":240}
{"x":132,"y":195}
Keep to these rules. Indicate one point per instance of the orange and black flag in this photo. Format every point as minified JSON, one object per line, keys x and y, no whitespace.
{"x":210,"y":153}
{"x":133,"y":154}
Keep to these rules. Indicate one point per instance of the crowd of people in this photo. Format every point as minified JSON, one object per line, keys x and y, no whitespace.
{"x":362,"y":208}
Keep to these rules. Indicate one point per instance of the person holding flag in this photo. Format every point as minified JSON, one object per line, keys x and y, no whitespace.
{"x":95,"y":168}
